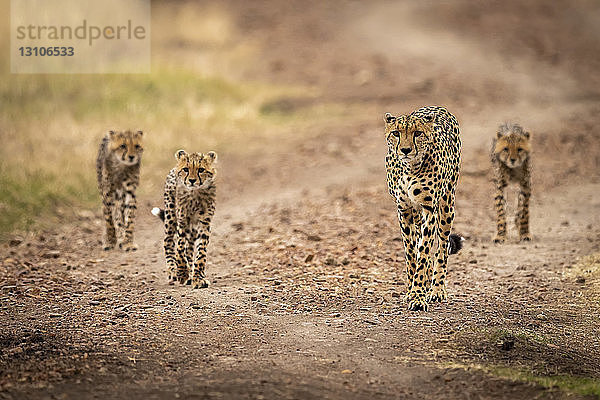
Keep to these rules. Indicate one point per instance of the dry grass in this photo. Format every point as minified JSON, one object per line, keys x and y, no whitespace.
{"x":50,"y":125}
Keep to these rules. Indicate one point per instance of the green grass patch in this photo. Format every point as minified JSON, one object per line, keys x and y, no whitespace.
{"x":26,"y":196}
{"x":502,"y":334}
{"x":574,"y":384}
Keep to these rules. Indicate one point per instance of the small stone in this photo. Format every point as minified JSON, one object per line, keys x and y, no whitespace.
{"x":15,"y":242}
{"x":507,"y":344}
{"x":346,"y":371}
{"x":94,"y":302}
{"x":51,"y":254}
{"x":309,"y":258}
{"x":314,"y":238}
{"x":541,"y":317}
{"x":580,"y":279}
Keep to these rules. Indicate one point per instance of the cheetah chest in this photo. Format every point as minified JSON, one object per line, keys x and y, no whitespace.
{"x":410,"y":192}
{"x":192,"y":209}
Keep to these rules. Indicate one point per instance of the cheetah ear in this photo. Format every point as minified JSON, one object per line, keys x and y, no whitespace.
{"x":139,"y":133}
{"x":111,"y":134}
{"x":212,"y":156}
{"x":499,"y":134}
{"x":179,"y":154}
{"x":389,"y":118}
{"x":527,"y":134}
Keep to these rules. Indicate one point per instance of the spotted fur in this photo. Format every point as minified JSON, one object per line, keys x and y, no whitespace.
{"x":510,"y":157}
{"x":422,"y":166}
{"x":118,"y":173}
{"x":189,"y":196}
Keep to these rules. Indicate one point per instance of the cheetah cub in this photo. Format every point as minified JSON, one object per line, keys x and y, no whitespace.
{"x":118,"y":173}
{"x":511,"y":162}
{"x":190,"y":192}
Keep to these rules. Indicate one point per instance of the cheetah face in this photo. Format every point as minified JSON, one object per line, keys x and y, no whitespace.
{"x":126,"y":146}
{"x":512,"y":148}
{"x":408,"y":138}
{"x":195,"y":170}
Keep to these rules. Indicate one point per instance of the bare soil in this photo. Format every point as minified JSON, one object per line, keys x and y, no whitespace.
{"x":306,"y":262}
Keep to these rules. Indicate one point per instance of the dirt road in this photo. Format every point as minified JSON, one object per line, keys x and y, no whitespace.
{"x":305,"y":261}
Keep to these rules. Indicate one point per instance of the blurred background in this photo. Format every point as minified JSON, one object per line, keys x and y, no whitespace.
{"x":249,"y":79}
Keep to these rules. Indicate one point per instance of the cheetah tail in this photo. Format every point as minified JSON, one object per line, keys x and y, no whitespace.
{"x":159,"y":212}
{"x":455,"y":243}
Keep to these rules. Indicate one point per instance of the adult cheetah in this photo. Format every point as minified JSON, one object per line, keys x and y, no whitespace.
{"x":190,"y":192}
{"x":422,"y":166}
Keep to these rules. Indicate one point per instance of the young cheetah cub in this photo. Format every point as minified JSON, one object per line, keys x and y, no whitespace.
{"x":118,"y":173}
{"x":190,"y":192}
{"x":511,"y":161}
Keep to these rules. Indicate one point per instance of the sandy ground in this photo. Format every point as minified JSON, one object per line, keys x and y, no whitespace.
{"x":305,"y":261}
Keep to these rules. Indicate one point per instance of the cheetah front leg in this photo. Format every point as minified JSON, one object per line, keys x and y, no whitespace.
{"x":129,"y":208}
{"x":108,"y":203}
{"x":523,"y":210}
{"x":181,"y":256}
{"x":422,"y":277}
{"x":500,"y":205}
{"x":438,"y":292}
{"x":198,"y":274}
{"x":170,"y":234}
{"x":408,"y":232}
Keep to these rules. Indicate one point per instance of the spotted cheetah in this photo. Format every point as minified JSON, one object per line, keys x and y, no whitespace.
{"x":511,"y":163}
{"x":118,"y":173}
{"x":422,"y":166}
{"x":190,"y":192}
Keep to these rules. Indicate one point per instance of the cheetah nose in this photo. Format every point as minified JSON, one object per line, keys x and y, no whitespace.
{"x":405,"y":150}
{"x":192,"y":181}
{"x":513,"y":160}
{"x":131,"y":158}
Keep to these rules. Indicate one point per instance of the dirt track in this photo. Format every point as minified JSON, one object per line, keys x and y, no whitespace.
{"x":306,"y":263}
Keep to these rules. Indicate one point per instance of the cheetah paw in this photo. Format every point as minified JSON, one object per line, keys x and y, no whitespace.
{"x":437,"y":295}
{"x":109,"y":244}
{"x":200,"y":283}
{"x":130,"y":246}
{"x":526,"y":238}
{"x":417,"y":303}
{"x":499,"y":239}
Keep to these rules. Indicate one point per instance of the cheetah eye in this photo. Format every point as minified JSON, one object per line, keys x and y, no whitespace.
{"x":122,"y":147}
{"x":185,"y":169}
{"x":505,"y":149}
{"x":418,"y":133}
{"x":137,"y":147}
{"x":200,"y":170}
{"x":520,"y":149}
{"x":396,"y":133}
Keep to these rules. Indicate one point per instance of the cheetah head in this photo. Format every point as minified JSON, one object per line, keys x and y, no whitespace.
{"x":195,"y":170}
{"x":409,"y":138}
{"x":512,"y":145}
{"x":126,"y":146}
